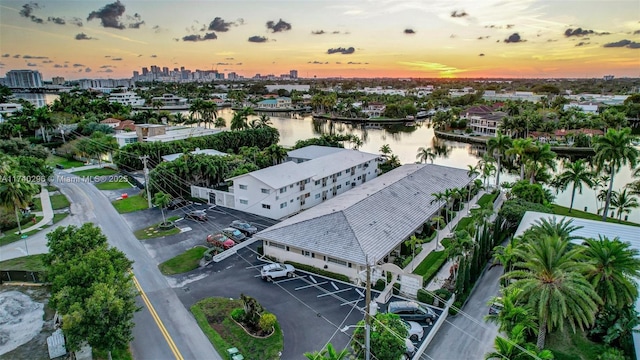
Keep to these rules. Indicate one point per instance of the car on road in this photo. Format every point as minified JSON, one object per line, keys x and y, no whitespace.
{"x":495,"y":308}
{"x":177,"y":203}
{"x":221,"y":241}
{"x":234,"y":234}
{"x":274,"y":271}
{"x":244,"y":226}
{"x":412,"y":311}
{"x":198,"y":215}
{"x":416,"y":332}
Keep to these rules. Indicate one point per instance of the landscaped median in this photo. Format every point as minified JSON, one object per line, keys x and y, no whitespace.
{"x":26,"y":263}
{"x":214,"y":317}
{"x":130,"y":204}
{"x":185,"y":262}
{"x":157,"y":230}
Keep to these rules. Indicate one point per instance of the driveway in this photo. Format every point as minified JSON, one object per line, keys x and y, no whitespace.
{"x":467,"y":336}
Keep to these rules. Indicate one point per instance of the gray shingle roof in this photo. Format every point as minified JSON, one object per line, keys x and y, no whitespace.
{"x":371,"y":219}
{"x":314,"y":151}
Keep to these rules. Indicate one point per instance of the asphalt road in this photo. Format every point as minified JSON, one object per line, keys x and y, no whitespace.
{"x":90,"y":205}
{"x":467,"y":336}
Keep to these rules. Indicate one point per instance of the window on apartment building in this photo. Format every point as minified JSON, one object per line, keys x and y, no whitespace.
{"x":276,"y":245}
{"x":347,"y":183}
{"x":360,"y":166}
{"x":339,"y":186}
{"x":339,"y":173}
{"x":307,"y":195}
{"x":283,"y":190}
{"x":306,"y":181}
{"x":307,"y":253}
{"x":242,"y":187}
{"x":291,"y":186}
{"x":264,"y":191}
{"x":244,"y":202}
{"x":283,"y":205}
{"x":336,"y":261}
{"x":318,"y":196}
{"x":317,"y":182}
{"x":266,"y":206}
{"x":359,"y":177}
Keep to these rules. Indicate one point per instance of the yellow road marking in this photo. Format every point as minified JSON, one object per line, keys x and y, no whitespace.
{"x":156,"y":318}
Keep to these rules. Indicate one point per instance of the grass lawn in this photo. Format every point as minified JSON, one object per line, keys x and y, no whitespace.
{"x":117,"y":354}
{"x":59,"y":217}
{"x":96,"y":172}
{"x":184,"y":262}
{"x":487,"y":198}
{"x":59,"y":202}
{"x":561,"y":210}
{"x":11,"y":236}
{"x":130,"y":204}
{"x":429,"y":267}
{"x":569,"y":346}
{"x":173,"y":218}
{"x":153,"y":232}
{"x":68,"y":164}
{"x":213,"y":316}
{"x":113,"y":185}
{"x":463,"y":223}
{"x":25,"y":263}
{"x":37,"y":204}
{"x":51,"y":188}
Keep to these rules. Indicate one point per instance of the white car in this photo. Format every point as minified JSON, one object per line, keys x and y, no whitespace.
{"x":416,"y":332}
{"x":274,"y":271}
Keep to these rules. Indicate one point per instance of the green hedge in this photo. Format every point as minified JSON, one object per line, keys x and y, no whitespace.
{"x":487,"y":198}
{"x":322,"y":272}
{"x":429,"y":267}
{"x":425,"y":296}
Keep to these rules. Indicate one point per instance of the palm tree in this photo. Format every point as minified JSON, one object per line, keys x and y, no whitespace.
{"x":238,"y":121}
{"x":157,"y":104}
{"x":276,"y":152}
{"x":623,"y":203}
{"x":438,"y":219}
{"x":552,"y":227}
{"x":487,"y":167}
{"x":425,"y":153}
{"x":521,"y":148}
{"x":17,"y":193}
{"x":42,"y":119}
{"x":540,"y":158}
{"x":576,"y":173}
{"x":512,"y":314}
{"x":413,"y":242}
{"x":506,"y":255}
{"x":614,"y":150}
{"x":615,"y":265}
{"x":162,"y":200}
{"x":220,"y":122}
{"x":385,"y":149}
{"x":329,"y":353}
{"x":553,"y":285}
{"x":497,"y":147}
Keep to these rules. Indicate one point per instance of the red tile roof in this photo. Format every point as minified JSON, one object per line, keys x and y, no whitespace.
{"x":110,"y":121}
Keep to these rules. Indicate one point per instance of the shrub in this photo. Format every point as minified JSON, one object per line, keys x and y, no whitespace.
{"x":443,"y":293}
{"x":453,"y":310}
{"x":380,"y":284}
{"x":260,"y":250}
{"x":267,"y":322}
{"x":425,"y":296}
{"x":512,"y":211}
{"x":238,"y":314}
{"x":322,"y":272}
{"x":396,"y":289}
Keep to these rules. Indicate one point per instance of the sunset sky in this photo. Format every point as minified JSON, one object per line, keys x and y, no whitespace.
{"x":365,"y":38}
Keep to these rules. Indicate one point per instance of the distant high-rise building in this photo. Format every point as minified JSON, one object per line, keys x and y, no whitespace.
{"x":608,"y":77}
{"x":145,"y":71}
{"x":293,"y":74}
{"x":57,"y":80}
{"x":165,"y":71}
{"x":232,"y":76}
{"x":24,"y":79}
{"x":136,"y":74}
{"x":155,"y":69}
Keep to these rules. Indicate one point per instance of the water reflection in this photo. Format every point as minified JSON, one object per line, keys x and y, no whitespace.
{"x":38,"y":100}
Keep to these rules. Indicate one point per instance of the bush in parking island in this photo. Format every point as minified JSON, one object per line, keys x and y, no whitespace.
{"x":425,"y":296}
{"x":315,"y":270}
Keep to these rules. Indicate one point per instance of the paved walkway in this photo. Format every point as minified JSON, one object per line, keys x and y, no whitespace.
{"x":47,"y":211}
{"x":88,"y":167}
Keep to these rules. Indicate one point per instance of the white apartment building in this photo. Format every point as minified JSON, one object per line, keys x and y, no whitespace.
{"x":282,"y":190}
{"x":126,"y":98}
{"x":6,"y":109}
{"x":23,"y":79}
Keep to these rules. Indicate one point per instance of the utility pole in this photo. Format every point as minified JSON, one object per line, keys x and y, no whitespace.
{"x":367,"y":315}
{"x":144,"y":159}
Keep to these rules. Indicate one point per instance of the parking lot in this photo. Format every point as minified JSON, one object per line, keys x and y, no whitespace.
{"x":312,"y":310}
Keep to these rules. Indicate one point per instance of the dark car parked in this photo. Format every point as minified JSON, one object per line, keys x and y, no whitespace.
{"x":244,"y":226}
{"x":199,"y":215}
{"x":234,"y":234}
{"x":177,"y":203}
{"x":412,"y":311}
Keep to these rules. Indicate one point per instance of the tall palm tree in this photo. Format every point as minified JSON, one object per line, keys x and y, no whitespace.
{"x":425,"y":153}
{"x":487,"y":167}
{"x":615,"y":266}
{"x":541,"y":158}
{"x":614,"y":150}
{"x":512,"y":313}
{"x":552,"y":227}
{"x":16,"y":193}
{"x":385,"y":149}
{"x":623,"y":203}
{"x":162,"y":200}
{"x":576,"y":173}
{"x":497,"y":147}
{"x":521,"y":148}
{"x":553,"y":285}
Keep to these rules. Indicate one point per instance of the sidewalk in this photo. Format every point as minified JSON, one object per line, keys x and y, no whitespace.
{"x":88,"y":167}
{"x":442,"y":233}
{"x":47,"y":211}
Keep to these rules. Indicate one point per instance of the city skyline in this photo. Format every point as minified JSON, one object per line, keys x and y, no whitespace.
{"x":375,"y":38}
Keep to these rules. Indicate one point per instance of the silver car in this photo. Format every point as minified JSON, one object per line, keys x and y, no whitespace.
{"x":416,"y":332}
{"x":274,"y":271}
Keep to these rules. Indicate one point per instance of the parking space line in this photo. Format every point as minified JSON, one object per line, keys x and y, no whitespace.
{"x":254,"y":266}
{"x":332,"y":292}
{"x":359,"y":292}
{"x":314,"y":279}
{"x":312,"y":285}
{"x":351,"y":302}
{"x":289,"y":279}
{"x":335,"y":286}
